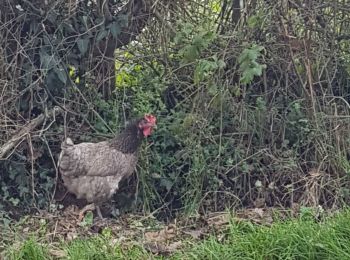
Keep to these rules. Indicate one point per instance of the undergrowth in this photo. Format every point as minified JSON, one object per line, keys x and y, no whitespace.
{"x":251,"y":112}
{"x":302,"y":238}
{"x":294,"y":239}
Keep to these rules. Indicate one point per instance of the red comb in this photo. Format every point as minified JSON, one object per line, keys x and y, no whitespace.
{"x":151,"y":118}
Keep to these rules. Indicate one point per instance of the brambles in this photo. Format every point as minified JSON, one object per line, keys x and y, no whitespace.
{"x":253,"y":111}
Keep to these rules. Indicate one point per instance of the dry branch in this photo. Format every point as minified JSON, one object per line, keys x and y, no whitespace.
{"x":18,"y":137}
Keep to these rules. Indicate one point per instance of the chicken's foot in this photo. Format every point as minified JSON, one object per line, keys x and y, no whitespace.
{"x":88,"y":207}
{"x":91,"y":207}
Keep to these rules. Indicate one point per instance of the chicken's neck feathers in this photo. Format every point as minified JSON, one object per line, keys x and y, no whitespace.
{"x":129,"y":140}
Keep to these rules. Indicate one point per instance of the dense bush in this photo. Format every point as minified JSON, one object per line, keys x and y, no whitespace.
{"x":252,"y":111}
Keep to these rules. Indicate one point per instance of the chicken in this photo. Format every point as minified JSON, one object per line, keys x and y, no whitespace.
{"x":92,"y":171}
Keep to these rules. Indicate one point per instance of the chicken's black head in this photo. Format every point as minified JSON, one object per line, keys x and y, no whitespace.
{"x":131,"y":137}
{"x":146,"y":124}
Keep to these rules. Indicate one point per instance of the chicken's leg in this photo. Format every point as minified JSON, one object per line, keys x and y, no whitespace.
{"x":99,"y":212}
{"x":91,"y":207}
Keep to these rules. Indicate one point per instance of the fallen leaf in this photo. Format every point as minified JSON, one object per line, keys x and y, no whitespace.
{"x":259,"y":202}
{"x":259,"y":212}
{"x":162,"y":235}
{"x":196,"y":234}
{"x":58,"y":253}
{"x":219,"y":220}
{"x":71,"y":236}
{"x":163,"y":249}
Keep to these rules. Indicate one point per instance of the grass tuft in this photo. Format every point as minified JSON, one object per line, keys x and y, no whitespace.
{"x":31,"y":249}
{"x":293,"y":239}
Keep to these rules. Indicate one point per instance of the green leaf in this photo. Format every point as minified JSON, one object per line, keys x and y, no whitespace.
{"x":47,"y":61}
{"x":253,"y":21}
{"x":34,"y":27}
{"x":61,"y":74}
{"x":166,"y":183}
{"x":14,"y":201}
{"x":115,"y":29}
{"x":52,"y":81}
{"x":52,"y":17}
{"x":190,"y":53}
{"x":83,"y":45}
{"x":248,"y":64}
{"x":84,"y":19}
{"x":88,"y":219}
{"x":101,"y":35}
{"x":221,"y":64}
{"x":47,"y":40}
{"x":68,"y":28}
{"x":123,"y":20}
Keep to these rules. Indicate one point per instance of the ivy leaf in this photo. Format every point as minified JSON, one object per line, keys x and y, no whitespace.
{"x":47,"y":40}
{"x":123,"y":20}
{"x":101,"y":35}
{"x":83,"y":45}
{"x":34,"y":27}
{"x":52,"y":17}
{"x":84,"y":19}
{"x":115,"y":29}
{"x":14,"y":201}
{"x":61,"y":74}
{"x":47,"y":61}
{"x":52,"y":81}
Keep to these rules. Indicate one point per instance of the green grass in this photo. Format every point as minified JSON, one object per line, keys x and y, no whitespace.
{"x":100,"y":248}
{"x":293,"y":239}
{"x":96,"y":248}
{"x":31,"y":249}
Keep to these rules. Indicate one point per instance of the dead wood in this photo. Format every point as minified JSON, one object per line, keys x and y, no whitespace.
{"x":25,"y":130}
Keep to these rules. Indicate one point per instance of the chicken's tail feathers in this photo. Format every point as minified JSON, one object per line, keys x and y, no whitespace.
{"x":62,"y":159}
{"x":66,"y":143}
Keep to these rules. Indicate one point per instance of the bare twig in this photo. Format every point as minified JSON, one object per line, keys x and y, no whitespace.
{"x":19,"y":137}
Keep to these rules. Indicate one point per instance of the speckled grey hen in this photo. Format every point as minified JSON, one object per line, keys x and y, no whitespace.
{"x":92,"y":171}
